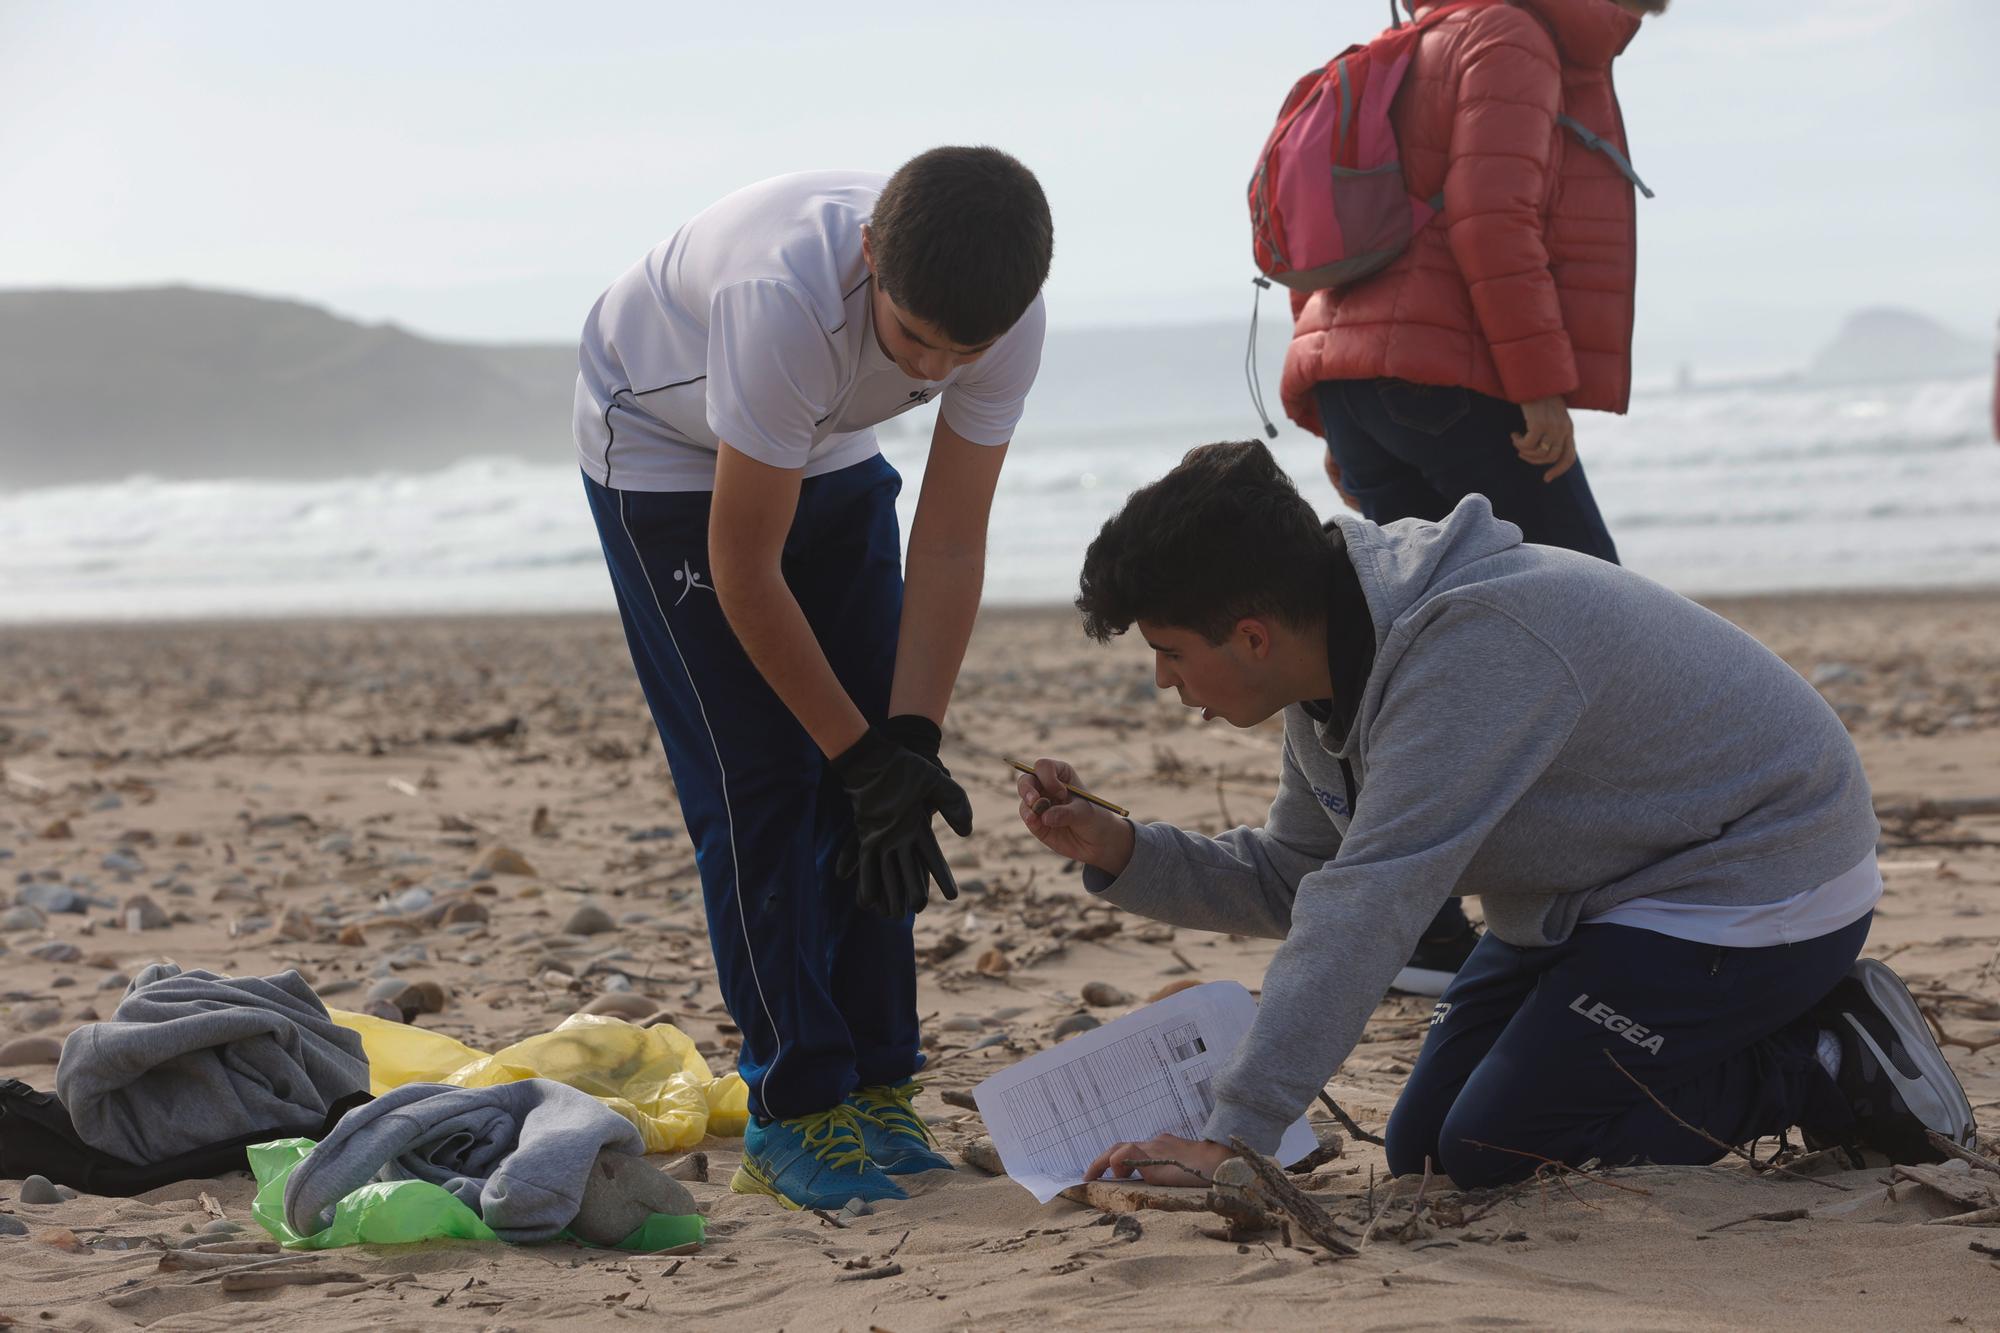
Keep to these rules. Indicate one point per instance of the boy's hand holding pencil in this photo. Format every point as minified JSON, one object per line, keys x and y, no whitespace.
{"x":1070,"y":821}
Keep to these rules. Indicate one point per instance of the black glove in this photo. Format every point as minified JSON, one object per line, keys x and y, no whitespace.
{"x":895,"y":791}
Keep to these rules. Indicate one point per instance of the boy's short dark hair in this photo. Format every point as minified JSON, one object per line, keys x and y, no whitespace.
{"x":1223,"y":536}
{"x":962,"y":239}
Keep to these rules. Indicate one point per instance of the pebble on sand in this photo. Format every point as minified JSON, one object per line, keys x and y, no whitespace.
{"x":142,"y":913}
{"x":1173,"y":988}
{"x":1074,"y":1024}
{"x":12,"y":1226}
{"x":589,"y":919}
{"x":39,"y":1189}
{"x":31,"y":1051}
{"x":631,"y":1007}
{"x":1104,"y":995}
{"x":501,"y":859}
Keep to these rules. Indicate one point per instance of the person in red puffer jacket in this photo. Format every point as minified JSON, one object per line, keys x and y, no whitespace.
{"x":1453,"y":370}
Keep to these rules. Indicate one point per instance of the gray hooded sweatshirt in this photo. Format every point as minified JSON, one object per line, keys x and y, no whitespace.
{"x":1550,"y":732}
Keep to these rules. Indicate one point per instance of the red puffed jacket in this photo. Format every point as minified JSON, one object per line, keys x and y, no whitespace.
{"x":1522,"y":287}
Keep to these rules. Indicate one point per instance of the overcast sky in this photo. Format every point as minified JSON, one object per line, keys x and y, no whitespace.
{"x":482,"y":171}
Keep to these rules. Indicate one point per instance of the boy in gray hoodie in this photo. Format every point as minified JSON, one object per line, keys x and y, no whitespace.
{"x":1669,"y":830}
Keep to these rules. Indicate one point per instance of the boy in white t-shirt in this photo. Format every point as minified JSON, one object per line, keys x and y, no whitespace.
{"x":729,"y":385}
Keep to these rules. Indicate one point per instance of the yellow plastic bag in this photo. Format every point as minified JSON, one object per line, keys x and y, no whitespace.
{"x":654,"y":1076}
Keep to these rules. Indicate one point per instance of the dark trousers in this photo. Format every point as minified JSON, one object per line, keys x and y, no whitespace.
{"x":825,"y":994}
{"x":1515,"y":1066}
{"x":1415,"y":450}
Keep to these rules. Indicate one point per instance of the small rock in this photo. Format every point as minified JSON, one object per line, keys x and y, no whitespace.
{"x":961,"y":1023}
{"x":429,"y":997}
{"x":56,"y":951}
{"x":31,"y":1051}
{"x":352,"y":936}
{"x":1126,"y":1228}
{"x":50,"y":897}
{"x":111,"y":800}
{"x":589,"y":919}
{"x":981,"y":1155}
{"x":142,"y":913}
{"x":337,"y":843}
{"x":1104,"y":995}
{"x":993,"y":963}
{"x":22,"y":918}
{"x":296,"y":925}
{"x":994,"y":1039}
{"x":58,"y":828}
{"x":39,"y":1016}
{"x":222,"y":1226}
{"x":123,"y":863}
{"x":388,"y":988}
{"x":384,"y":1010}
{"x":466,"y":910}
{"x":500,"y":859}
{"x":113,"y":981}
{"x":1834,"y":673}
{"x":411,"y":901}
{"x":39,"y":1189}
{"x":1074,"y":1024}
{"x":857,"y":1207}
{"x":623,"y":1004}
{"x":12,"y":1226}
{"x":1172,"y":988}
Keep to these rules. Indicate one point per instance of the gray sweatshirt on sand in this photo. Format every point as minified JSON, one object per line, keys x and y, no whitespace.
{"x":1552,"y":733}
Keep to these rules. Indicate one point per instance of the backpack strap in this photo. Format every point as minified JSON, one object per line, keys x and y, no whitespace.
{"x":1598,"y":144}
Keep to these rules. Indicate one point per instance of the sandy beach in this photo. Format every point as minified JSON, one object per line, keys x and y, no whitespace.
{"x":271,"y":786}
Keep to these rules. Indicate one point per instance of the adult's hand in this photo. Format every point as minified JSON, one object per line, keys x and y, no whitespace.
{"x":895,"y":791}
{"x":1164,"y":1159}
{"x":1550,"y":438}
{"x":1069,"y":825}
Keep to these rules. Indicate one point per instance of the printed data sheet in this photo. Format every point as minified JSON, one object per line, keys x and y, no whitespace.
{"x":1150,"y":1072}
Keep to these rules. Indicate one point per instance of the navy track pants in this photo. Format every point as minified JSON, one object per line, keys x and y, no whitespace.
{"x":1514,"y":1068}
{"x":825,"y":994}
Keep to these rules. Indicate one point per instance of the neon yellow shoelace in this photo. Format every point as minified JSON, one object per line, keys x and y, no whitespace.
{"x":889,"y":1106}
{"x":832,"y":1135}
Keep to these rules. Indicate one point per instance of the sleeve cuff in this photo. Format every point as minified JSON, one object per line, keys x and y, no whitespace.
{"x":1128,"y":888}
{"x":1233,"y":1119}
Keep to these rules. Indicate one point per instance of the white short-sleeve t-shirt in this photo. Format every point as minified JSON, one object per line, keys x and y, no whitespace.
{"x":753,"y":324}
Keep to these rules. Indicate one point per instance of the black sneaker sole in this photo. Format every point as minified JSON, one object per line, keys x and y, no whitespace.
{"x":1934,"y":1096}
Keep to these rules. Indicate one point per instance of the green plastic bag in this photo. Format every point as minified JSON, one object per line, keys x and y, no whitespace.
{"x":402,"y":1211}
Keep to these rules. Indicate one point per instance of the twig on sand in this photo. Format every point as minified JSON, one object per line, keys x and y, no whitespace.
{"x":1314,"y":1220}
{"x":868,"y":1274}
{"x":1734,"y":1151}
{"x":1347,"y":1121}
{"x":1946,"y":1039}
{"x":1559,"y":1171}
{"x":1963,"y":1154}
{"x":1417,"y":1204}
{"x":1978,"y":1217}
{"x":1783,"y":1215}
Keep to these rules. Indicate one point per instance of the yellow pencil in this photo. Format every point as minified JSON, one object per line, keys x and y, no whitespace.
{"x":1097,"y":801}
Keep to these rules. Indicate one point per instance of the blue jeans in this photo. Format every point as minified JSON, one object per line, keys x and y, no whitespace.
{"x":824,"y":993}
{"x":1415,"y":450}
{"x":1514,"y":1068}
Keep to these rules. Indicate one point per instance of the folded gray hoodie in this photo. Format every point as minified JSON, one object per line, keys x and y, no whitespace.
{"x":518,"y":1154}
{"x":1550,"y":732}
{"x":192,"y":1058}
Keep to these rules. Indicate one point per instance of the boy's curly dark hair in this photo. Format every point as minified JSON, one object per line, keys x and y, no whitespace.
{"x":1223,"y":536}
{"x":963,"y":239}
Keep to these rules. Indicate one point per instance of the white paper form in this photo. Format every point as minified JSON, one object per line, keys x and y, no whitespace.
{"x":1150,"y":1072}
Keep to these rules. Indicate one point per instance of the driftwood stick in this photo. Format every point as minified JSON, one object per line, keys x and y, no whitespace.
{"x":1560,"y":1172}
{"x":1314,"y":1220}
{"x":1347,"y":1121}
{"x":1963,"y":1154}
{"x":1978,"y":1217}
{"x":1732,"y":1150}
{"x":1783,"y":1215}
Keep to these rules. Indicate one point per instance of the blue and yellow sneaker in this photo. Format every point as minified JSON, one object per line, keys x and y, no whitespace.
{"x":898,"y":1140}
{"x":811,"y":1161}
